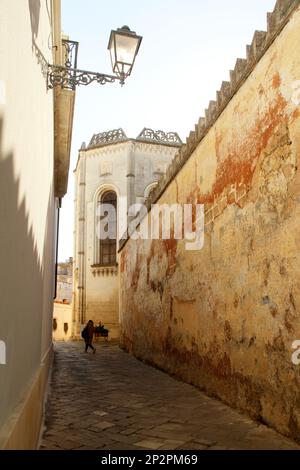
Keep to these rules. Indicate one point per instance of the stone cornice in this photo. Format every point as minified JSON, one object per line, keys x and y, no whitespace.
{"x":112,"y":147}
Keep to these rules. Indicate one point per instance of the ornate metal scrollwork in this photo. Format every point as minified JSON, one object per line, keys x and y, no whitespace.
{"x":68,"y":76}
{"x":149,"y":135}
{"x":104,"y":138}
{"x":71,"y":52}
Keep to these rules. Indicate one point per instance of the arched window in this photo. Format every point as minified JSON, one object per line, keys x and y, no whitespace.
{"x":107,"y":247}
{"x":149,"y":190}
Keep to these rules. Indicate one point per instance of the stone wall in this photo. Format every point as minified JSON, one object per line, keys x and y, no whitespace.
{"x":64,"y":281}
{"x":224,"y":318}
{"x":62,"y":321}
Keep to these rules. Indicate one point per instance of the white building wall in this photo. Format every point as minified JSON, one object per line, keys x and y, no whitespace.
{"x":27,"y":217}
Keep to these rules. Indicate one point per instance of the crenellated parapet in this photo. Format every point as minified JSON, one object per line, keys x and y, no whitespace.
{"x":261,"y":42}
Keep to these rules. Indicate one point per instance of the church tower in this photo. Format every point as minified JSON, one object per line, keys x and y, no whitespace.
{"x":117,"y":170}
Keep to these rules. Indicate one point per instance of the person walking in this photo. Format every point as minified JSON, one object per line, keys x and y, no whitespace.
{"x":88,"y":335}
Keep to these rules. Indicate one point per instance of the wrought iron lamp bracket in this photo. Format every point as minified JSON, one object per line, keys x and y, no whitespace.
{"x":68,"y":76}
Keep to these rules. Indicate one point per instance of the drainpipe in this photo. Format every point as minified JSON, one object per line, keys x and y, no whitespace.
{"x":56,"y":246}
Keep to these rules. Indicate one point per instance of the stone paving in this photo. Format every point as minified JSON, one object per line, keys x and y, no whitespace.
{"x":109,"y":400}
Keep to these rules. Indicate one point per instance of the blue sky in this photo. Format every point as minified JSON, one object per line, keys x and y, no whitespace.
{"x":187,"y":50}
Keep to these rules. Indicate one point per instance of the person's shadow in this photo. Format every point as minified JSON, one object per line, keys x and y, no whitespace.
{"x":23,"y":279}
{"x":34,"y":9}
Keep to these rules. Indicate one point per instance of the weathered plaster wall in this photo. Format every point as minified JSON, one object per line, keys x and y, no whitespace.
{"x":224,"y":318}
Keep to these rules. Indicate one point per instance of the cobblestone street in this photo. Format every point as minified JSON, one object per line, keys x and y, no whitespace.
{"x":112,"y":401}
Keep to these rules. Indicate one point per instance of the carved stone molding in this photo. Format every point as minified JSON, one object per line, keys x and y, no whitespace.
{"x":99,"y":270}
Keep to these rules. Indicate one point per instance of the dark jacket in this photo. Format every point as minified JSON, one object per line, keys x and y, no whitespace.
{"x":90,"y":335}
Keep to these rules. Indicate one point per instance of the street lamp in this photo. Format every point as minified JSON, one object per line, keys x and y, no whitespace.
{"x":123,"y":46}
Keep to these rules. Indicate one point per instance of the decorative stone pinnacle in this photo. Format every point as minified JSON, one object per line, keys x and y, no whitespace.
{"x":161,"y":137}
{"x":110,"y":137}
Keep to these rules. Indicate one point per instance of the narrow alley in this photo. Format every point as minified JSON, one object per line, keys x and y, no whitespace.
{"x":112,"y":401}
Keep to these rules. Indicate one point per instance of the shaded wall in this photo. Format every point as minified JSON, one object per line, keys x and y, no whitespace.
{"x":27,"y":218}
{"x":224,"y":318}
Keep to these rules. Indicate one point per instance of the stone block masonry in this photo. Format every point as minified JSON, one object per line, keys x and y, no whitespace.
{"x":123,"y":404}
{"x":225,"y":318}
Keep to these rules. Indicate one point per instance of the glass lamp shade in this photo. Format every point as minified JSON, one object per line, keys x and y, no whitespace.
{"x":123,"y":46}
